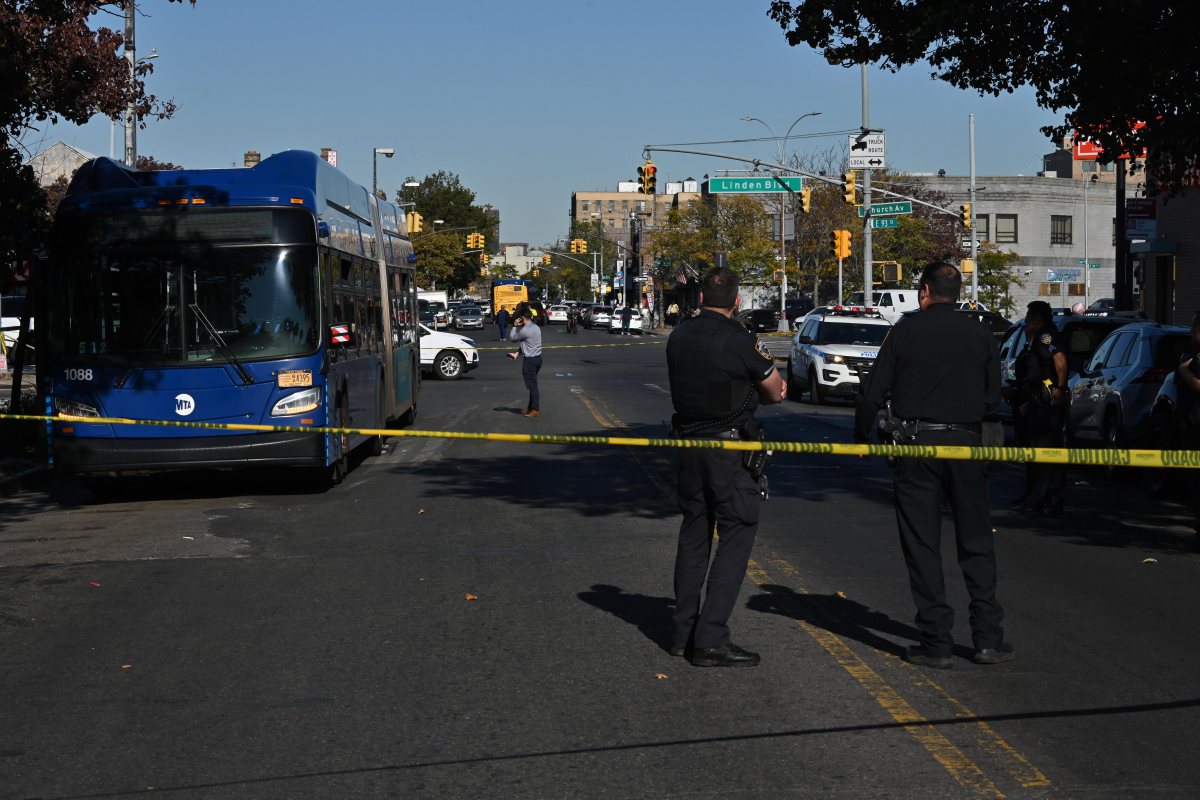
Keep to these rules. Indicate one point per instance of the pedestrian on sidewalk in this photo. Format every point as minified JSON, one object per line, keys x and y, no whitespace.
{"x":1187,"y":415}
{"x":502,"y":322}
{"x":718,"y":375}
{"x":940,"y":396}
{"x":529,"y":336}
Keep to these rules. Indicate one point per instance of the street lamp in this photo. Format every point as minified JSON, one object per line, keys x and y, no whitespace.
{"x":1087,"y":273}
{"x":781,"y":145}
{"x":386,"y":152}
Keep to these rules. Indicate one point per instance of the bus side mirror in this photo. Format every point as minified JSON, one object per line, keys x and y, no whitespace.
{"x":341,"y":335}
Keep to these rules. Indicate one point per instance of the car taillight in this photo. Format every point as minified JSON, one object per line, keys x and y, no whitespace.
{"x":1153,"y":375}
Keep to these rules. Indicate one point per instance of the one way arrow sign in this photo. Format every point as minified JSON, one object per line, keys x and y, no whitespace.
{"x":866,"y":150}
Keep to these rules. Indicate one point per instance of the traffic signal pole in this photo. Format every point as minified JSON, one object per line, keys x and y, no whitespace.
{"x":970,"y":213}
{"x":868,"y":277}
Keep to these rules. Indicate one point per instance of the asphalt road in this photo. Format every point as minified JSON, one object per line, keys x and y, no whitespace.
{"x":464,"y":619}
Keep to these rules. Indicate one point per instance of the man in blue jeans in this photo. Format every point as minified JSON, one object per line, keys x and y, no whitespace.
{"x":530,"y":339}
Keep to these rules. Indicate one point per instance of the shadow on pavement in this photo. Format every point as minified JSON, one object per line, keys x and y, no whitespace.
{"x":842,"y":616}
{"x":651,"y":615}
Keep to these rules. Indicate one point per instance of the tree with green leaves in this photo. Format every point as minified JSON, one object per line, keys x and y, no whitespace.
{"x":1067,"y":52}
{"x":443,"y":196}
{"x":439,"y":260}
{"x":997,"y":278}
{"x":57,"y":65}
{"x":737,"y":226}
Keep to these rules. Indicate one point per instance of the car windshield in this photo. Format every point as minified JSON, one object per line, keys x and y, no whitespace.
{"x":468,"y":312}
{"x":155,"y":288}
{"x":854,"y":333}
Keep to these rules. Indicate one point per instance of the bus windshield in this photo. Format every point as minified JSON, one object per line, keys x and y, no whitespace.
{"x":131,"y":289}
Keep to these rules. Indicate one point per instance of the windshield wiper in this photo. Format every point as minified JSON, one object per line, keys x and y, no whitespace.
{"x":224,"y":348}
{"x":150,"y":334}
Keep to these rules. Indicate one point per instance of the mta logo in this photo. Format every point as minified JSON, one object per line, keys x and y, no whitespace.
{"x":185,"y":404}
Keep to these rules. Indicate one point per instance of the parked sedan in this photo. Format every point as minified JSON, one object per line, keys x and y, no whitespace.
{"x":635,"y":322}
{"x":597,"y":316}
{"x":759,"y":320}
{"x":468,"y":317}
{"x":1113,"y":396}
{"x":558,"y":314}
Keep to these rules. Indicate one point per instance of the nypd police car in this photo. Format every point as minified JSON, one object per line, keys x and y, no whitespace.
{"x":832,"y":351}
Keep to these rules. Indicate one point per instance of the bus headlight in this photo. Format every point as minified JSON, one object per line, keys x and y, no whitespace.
{"x":73,"y":408}
{"x":298,"y":403}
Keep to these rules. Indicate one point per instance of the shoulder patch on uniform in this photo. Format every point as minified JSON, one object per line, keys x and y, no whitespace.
{"x":1046,"y":338}
{"x":762,"y":350}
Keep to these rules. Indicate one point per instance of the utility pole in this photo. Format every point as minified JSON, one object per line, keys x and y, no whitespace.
{"x":130,"y":109}
{"x":974,"y":233}
{"x":1124,"y":286}
{"x":868,"y":277}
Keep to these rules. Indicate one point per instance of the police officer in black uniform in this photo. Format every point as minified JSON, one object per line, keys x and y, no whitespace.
{"x":719,"y":375}
{"x":941,"y":372}
{"x":1039,"y":396}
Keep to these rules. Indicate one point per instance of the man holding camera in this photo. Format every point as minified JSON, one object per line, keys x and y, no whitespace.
{"x":941,"y":373}
{"x":718,"y":376}
{"x":529,"y":337}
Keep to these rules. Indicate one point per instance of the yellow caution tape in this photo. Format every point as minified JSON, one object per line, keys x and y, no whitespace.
{"x":1169,"y":459}
{"x":577,"y":346}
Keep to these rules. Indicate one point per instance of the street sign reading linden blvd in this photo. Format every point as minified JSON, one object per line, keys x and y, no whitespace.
{"x":887,"y":209}
{"x":755,"y":184}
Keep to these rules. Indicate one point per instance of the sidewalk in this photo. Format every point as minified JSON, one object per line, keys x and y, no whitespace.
{"x":18,"y":440}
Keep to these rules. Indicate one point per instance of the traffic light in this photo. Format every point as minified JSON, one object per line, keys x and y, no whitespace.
{"x":966,"y":266}
{"x":806,"y":200}
{"x":849,"y":191}
{"x":574,"y":245}
{"x":416,"y":223}
{"x":583,"y":245}
{"x":537,"y":273}
{"x":647,"y":182}
{"x":841,"y":244}
{"x":965,"y":208}
{"x":474,"y":241}
{"x":483,"y":258}
{"x":546,"y":260}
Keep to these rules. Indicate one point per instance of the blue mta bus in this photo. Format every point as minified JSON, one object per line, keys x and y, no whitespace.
{"x":283,"y":294}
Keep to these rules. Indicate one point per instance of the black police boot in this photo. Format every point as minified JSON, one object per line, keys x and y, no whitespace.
{"x":728,"y":656}
{"x":918,"y":654}
{"x":995,"y":655}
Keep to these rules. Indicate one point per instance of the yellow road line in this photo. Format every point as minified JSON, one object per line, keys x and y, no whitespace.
{"x":965,"y":771}
{"x":608,"y":419}
{"x":1012,"y":761}
{"x":1160,"y":459}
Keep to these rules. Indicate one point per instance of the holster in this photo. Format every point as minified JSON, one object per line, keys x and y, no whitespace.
{"x":755,"y":461}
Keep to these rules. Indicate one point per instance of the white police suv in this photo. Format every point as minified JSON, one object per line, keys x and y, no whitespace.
{"x":832,"y":351}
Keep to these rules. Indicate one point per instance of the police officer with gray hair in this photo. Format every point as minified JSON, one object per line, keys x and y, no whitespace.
{"x":940,"y":372}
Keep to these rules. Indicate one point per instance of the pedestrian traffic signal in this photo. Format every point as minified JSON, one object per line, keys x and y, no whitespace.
{"x":841,"y":244}
{"x":415,"y":222}
{"x":965,"y":208}
{"x":647,"y":182}
{"x":849,"y":191}
{"x":806,"y":200}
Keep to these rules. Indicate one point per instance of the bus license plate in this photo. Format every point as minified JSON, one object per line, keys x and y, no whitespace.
{"x":290,"y":378}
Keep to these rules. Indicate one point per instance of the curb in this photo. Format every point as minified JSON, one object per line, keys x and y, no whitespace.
{"x":14,"y":482}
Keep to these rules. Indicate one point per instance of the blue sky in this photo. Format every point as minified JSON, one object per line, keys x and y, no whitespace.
{"x":528,"y":100}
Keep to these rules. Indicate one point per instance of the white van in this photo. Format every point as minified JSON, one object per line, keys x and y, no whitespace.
{"x":890,"y":303}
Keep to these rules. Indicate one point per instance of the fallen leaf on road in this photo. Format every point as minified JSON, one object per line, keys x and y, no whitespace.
{"x":420,"y":511}
{"x":1150,"y":560}
{"x":469,"y":596}
{"x":127,"y":666}
{"x":94,"y":584}
{"x":662,"y":676}
{"x":841,"y":595}
{"x":189,"y":537}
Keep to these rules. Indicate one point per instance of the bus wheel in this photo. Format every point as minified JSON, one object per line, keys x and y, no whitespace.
{"x":336,"y":471}
{"x":376,"y":442}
